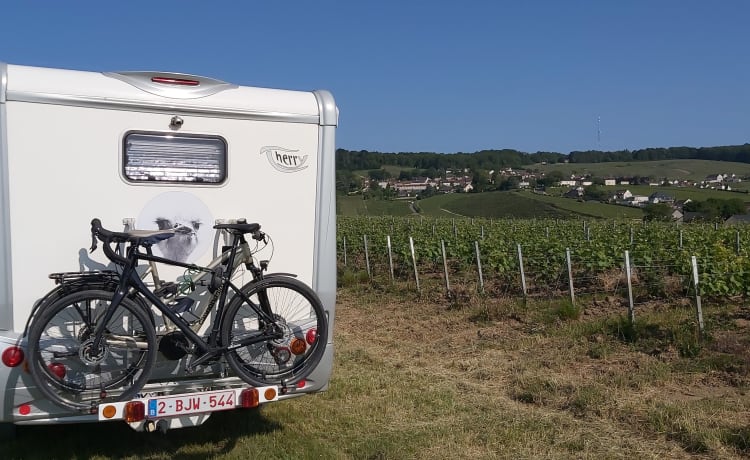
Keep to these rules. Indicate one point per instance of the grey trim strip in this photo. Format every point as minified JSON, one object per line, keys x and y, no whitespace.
{"x":329,"y":113}
{"x":6,"y":277}
{"x":143,"y":106}
{"x":324,"y":254}
{"x":3,"y":81}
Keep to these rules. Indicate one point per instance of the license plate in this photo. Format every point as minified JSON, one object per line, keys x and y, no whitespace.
{"x":192,"y":404}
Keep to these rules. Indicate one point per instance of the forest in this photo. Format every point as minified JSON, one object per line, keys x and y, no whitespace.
{"x":493,"y":159}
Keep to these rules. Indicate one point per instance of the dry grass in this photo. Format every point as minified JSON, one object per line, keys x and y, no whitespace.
{"x":524,"y":383}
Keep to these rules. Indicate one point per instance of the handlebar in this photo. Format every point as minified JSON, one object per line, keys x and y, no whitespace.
{"x":107,"y":237}
{"x":151,"y":237}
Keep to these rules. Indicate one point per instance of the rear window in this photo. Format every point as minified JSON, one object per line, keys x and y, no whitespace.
{"x":174,"y":158}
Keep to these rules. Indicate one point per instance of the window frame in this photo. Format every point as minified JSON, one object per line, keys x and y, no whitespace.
{"x":223,"y":164}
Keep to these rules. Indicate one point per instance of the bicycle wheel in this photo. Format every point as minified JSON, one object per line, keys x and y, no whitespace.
{"x":298,"y":313}
{"x":64,"y":364}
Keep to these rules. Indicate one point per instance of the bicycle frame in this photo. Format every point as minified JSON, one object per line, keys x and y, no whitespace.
{"x":131,"y":280}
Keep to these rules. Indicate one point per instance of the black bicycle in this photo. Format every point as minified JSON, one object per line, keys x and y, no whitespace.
{"x":96,"y":341}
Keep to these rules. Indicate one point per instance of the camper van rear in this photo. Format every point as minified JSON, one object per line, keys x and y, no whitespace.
{"x":155,"y":151}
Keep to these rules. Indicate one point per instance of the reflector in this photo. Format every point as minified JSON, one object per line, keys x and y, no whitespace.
{"x":57,"y":369}
{"x":311,"y":335}
{"x":12,"y":356}
{"x":269,"y":394}
{"x":109,"y":411}
{"x":298,"y":346}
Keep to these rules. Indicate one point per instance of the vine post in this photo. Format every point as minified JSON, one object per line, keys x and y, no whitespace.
{"x":445,"y":267}
{"x":479,"y":267}
{"x":390,"y":255}
{"x":414,"y":262}
{"x":631,"y":310}
{"x":520,"y":267}
{"x":570,"y":277}
{"x":344,"y":251}
{"x":738,"y":242}
{"x":367,"y":257}
{"x":698,"y":308}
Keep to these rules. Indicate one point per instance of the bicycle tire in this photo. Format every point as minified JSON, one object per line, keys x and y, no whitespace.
{"x":298,"y":311}
{"x":66,"y":369}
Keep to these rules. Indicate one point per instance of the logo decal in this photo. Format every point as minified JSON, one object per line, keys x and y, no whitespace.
{"x":284,"y":160}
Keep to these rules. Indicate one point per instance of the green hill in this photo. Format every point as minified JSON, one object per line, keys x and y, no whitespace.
{"x":526,"y":204}
{"x":672,"y":169}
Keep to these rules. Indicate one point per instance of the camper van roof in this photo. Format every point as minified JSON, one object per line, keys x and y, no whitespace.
{"x":113,"y":90}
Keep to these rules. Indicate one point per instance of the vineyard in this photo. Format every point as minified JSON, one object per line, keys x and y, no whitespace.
{"x":639,"y":261}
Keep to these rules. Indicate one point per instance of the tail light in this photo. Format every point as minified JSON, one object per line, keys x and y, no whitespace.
{"x":12,"y":356}
{"x":249,"y":398}
{"x":135,"y":411}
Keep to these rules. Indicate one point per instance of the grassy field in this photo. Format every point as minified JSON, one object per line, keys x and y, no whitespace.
{"x":683,"y":193}
{"x":523,"y":204}
{"x":472,"y":377}
{"x":489,"y":205}
{"x":673,"y":169}
{"x":588,"y":209}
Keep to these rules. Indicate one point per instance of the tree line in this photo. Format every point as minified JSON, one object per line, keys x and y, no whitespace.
{"x":493,"y":159}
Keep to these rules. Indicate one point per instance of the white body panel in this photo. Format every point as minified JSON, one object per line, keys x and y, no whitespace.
{"x":61,"y":140}
{"x":55,"y":194}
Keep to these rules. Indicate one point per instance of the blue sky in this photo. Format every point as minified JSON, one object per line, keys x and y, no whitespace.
{"x":436,"y":76}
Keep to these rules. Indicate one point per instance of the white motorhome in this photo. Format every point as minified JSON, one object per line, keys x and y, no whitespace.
{"x":76,"y":145}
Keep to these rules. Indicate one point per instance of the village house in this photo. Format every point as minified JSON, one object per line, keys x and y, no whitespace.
{"x":660,"y":197}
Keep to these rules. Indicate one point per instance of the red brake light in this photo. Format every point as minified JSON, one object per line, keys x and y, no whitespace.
{"x":12,"y":356}
{"x":249,"y":397}
{"x":135,"y":411}
{"x":175,"y":81}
